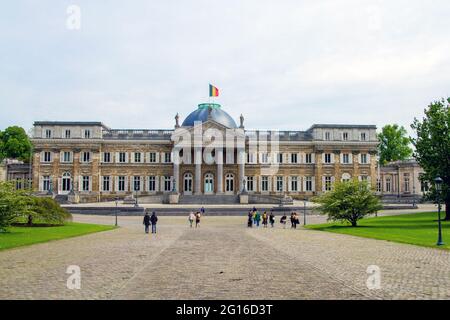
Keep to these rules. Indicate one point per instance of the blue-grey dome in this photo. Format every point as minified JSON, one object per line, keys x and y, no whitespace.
{"x":217,"y":114}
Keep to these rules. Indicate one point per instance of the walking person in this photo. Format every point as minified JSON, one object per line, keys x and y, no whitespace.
{"x":153,"y":220}
{"x":257,"y":218}
{"x":264,"y":219}
{"x":271,"y":218}
{"x":146,"y":222}
{"x":202,"y":211}
{"x":197,"y":219}
{"x":254,"y":217}
{"x":292,"y":220}
{"x":191,"y":218}
{"x":250,"y":219}
{"x":283,"y":221}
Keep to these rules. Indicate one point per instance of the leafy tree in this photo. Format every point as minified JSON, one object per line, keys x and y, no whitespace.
{"x":13,"y":204}
{"x":433,"y":148}
{"x":14,"y":143}
{"x":47,"y":210}
{"x":394,"y":144}
{"x":348,"y":201}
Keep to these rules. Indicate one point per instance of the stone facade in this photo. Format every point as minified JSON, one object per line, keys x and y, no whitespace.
{"x":401,"y":178}
{"x":17,"y":171}
{"x":99,"y":163}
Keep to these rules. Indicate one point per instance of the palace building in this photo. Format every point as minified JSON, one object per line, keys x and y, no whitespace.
{"x":207,"y":158}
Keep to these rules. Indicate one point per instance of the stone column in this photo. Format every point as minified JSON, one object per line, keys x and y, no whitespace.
{"x":318,"y":171}
{"x":198,"y":170}
{"x":219,"y":160}
{"x":176,"y":176}
{"x":241,"y":165}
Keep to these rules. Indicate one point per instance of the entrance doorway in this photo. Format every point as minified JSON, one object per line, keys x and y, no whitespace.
{"x":209,"y":183}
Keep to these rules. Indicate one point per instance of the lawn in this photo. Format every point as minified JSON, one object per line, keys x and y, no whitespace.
{"x":23,"y":236}
{"x":419,"y":229}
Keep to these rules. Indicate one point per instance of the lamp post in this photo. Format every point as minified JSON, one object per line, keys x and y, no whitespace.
{"x":438,"y":185}
{"x":117,"y":201}
{"x":304,"y":212}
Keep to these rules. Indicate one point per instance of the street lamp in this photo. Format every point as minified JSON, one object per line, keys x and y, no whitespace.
{"x":304,"y":212}
{"x":438,"y":184}
{"x":117,"y":201}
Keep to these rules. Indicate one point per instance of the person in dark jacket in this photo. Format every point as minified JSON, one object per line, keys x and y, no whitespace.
{"x":146,"y":222}
{"x":271,"y":218}
{"x":153,"y":220}
{"x":250,"y":219}
{"x":283,"y":221}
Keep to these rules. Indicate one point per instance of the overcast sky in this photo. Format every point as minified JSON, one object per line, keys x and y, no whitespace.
{"x":282,"y":64}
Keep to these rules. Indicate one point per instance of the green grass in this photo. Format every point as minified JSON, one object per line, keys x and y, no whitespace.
{"x":23,"y":236}
{"x":419,"y":229}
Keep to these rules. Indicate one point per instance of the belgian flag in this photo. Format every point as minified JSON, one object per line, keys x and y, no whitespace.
{"x":213,"y":91}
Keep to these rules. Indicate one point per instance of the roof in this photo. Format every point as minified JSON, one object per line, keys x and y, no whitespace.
{"x":208,"y":111}
{"x":69,"y":123}
{"x":343,"y":126}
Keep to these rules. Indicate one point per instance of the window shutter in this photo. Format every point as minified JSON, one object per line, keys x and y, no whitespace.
{"x":61,"y":156}
{"x":126,"y":157}
{"x":274,"y":185}
{"x":323,"y":183}
{"x":132,"y":157}
{"x":313,"y":179}
{"x":359,"y":157}
{"x":368,"y":157}
{"x":156,"y":183}
{"x":289,"y":184}
{"x":142,"y":185}
{"x":116,"y":183}
{"x":80,"y":183}
{"x":332,"y":157}
{"x":90,"y":183}
{"x":102,"y":157}
{"x":41,"y":186}
{"x":162,"y":184}
{"x":59,"y":185}
{"x":255,"y":184}
{"x":323,"y":157}
{"x":304,"y":184}
{"x":313,"y":157}
{"x":350,"y":158}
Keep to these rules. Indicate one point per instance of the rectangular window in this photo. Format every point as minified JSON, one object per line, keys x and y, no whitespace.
{"x":265,"y":158}
{"x":46,"y":183}
{"x":363,"y":158}
{"x":122,"y":157}
{"x":264,"y":183}
{"x":137,"y":157}
{"x":106,"y":183}
{"x":136,"y":183}
{"x":152,"y":157}
{"x":167,"y":157}
{"x":327,"y":135}
{"x":48,"y":133}
{"x":152,"y":183}
{"x":85,"y":156}
{"x":327,"y":157}
{"x":47,"y":156}
{"x":345,"y":136}
{"x":308,"y":158}
{"x":106,"y":157}
{"x":328,"y":183}
{"x":85,"y":183}
{"x":250,"y":183}
{"x":67,"y":156}
{"x":87,"y":134}
{"x":167,"y":184}
{"x":378,"y":185}
{"x":346,"y":158}
{"x":121,"y":184}
{"x":294,"y":184}
{"x":308,"y":184}
{"x":363,"y":136}
{"x":279,"y":183}
{"x":406,"y":183}
{"x":67,"y":134}
{"x":388,"y":184}
{"x":294,"y":158}
{"x":280,"y":158}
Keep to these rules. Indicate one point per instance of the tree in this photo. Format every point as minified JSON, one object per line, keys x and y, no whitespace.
{"x":47,"y":210}
{"x":394,"y":144}
{"x":348,"y":201}
{"x":433,"y":149}
{"x":13,"y":204}
{"x":14,"y":143}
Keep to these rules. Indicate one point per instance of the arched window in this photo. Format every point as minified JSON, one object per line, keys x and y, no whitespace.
{"x":209,"y":183}
{"x":229,"y":183}
{"x":187,"y":183}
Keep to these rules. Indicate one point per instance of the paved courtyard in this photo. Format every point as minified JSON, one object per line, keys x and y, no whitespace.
{"x":221,"y":260}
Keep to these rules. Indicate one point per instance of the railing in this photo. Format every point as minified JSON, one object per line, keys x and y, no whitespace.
{"x":130,"y":134}
{"x":282,"y":135}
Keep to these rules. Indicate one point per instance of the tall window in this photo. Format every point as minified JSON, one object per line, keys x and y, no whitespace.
{"x":106,"y":157}
{"x":346,"y":158}
{"x":363,"y":158}
{"x":328,"y":135}
{"x":229,"y":183}
{"x":85,"y":183}
{"x":152,"y":157}
{"x":378,"y":185}
{"x":188,"y":182}
{"x":48,"y":133}
{"x":294,"y":158}
{"x":250,"y":183}
{"x":67,"y":134}
{"x":85,"y":156}
{"x":280,"y":158}
{"x":87,"y":134}
{"x":47,"y":156}
{"x":308,"y":184}
{"x":388,"y":184}
{"x":363,"y":136}
{"x":106,"y":183}
{"x":136,"y":183}
{"x":294,"y":184}
{"x":121,"y":183}
{"x":264,"y":157}
{"x":67,"y":156}
{"x":264,"y":183}
{"x":279,"y":183}
{"x":328,"y":183}
{"x":327,"y":157}
{"x":167,"y":184}
{"x":345,"y":136}
{"x":406,"y":182}
{"x":122,"y":157}
{"x":167,"y":157}
{"x":308,"y":158}
{"x":151,"y":183}
{"x":137,"y":157}
{"x":46,"y":183}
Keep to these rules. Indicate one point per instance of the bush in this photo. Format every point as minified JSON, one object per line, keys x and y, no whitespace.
{"x":13,"y":204}
{"x":348,"y":201}
{"x":47,"y":210}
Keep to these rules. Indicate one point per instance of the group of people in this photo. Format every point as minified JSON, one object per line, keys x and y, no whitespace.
{"x":254,"y":219}
{"x":150,"y":220}
{"x":195,"y":216}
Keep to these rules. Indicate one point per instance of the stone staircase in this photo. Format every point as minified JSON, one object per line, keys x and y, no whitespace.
{"x":209,"y":199}
{"x":61,"y":199}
